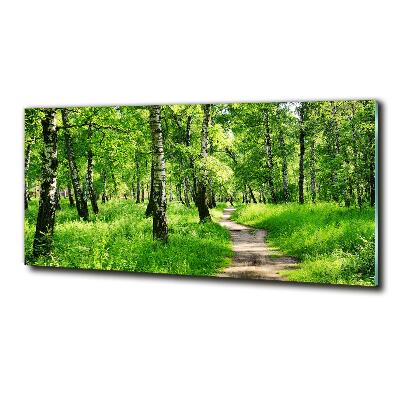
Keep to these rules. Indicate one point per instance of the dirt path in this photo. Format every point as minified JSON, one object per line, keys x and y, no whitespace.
{"x":252,"y":258}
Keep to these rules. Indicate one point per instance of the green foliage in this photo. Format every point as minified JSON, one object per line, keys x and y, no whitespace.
{"x":362,"y":264}
{"x":333,"y":244}
{"x":121,"y":239}
{"x":253,"y":155}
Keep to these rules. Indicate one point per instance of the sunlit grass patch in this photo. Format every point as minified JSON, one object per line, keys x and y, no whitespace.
{"x":120,"y":238}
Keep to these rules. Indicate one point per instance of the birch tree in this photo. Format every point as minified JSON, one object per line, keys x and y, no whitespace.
{"x":268,"y":154}
{"x":43,"y":240}
{"x":204,"y":214}
{"x":89,"y":172}
{"x":302,"y":134}
{"x":81,"y":203}
{"x":28,"y":151}
{"x":160,"y":227}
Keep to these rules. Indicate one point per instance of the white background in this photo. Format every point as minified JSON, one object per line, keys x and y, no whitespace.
{"x":71,"y":335}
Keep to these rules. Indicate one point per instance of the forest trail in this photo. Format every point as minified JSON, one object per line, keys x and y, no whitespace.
{"x":252,"y":257}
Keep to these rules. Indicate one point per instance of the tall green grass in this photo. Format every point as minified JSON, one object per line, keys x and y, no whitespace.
{"x":120,"y":238}
{"x":333,"y":244}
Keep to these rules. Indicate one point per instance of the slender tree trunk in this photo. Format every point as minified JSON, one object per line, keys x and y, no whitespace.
{"x":186,"y":191}
{"x":252,"y":194}
{"x":360,"y":197}
{"x":104,"y":179}
{"x":70,"y":196}
{"x":188,"y":132}
{"x":285,"y":178}
{"x":81,"y":204}
{"x":137,"y":190}
{"x":171,"y":196}
{"x":58,"y":205}
{"x":301,"y":168}
{"x":114,"y":182}
{"x":348,"y":187}
{"x":372,"y":178}
{"x":191,"y":165}
{"x":335,"y":151}
{"x":142,"y":194}
{"x":133,"y":190}
{"x":137,"y":183}
{"x":313,"y":173}
{"x":336,"y":180}
{"x":211,"y":198}
{"x":268,"y":153}
{"x":27,"y":162}
{"x":355,"y":144}
{"x":301,"y":155}
{"x":204,"y":214}
{"x":150,"y":205}
{"x":84,"y":193}
{"x":160,"y":227}
{"x":89,"y":173}
{"x":348,"y":192}
{"x":178,"y":189}
{"x":263,"y":199}
{"x":43,"y":240}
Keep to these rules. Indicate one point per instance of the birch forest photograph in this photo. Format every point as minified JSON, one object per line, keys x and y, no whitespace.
{"x":280,"y":191}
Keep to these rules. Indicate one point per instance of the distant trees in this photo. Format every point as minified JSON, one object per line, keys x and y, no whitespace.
{"x":304,"y":151}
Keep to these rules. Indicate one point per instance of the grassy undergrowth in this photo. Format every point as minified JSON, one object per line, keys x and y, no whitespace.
{"x":120,"y":238}
{"x":333,"y":244}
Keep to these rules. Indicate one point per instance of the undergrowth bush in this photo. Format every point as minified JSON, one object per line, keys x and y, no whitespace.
{"x":362,"y":263}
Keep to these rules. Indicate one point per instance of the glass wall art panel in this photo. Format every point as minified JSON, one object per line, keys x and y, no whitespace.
{"x":282,"y":191}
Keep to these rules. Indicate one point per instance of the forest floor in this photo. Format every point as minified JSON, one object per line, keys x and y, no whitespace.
{"x":252,"y":258}
{"x":331,"y":244}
